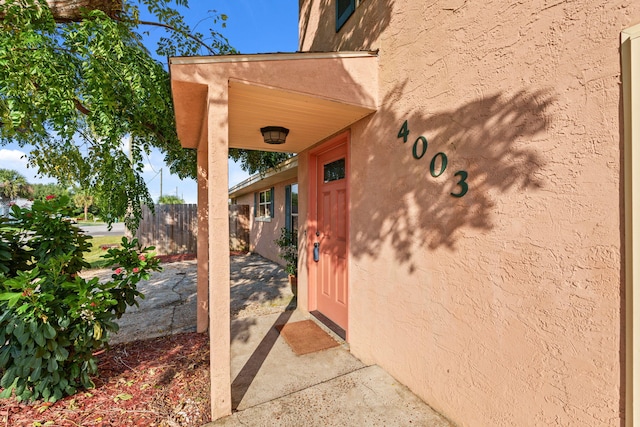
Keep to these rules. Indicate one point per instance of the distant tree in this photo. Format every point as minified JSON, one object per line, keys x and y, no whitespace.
{"x":254,"y":161}
{"x":170,"y":200}
{"x":13,"y":185}
{"x":83,"y":198}
{"x":41,"y":191}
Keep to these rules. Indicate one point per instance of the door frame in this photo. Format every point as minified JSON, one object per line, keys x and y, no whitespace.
{"x":630,"y":53}
{"x":343,"y":138}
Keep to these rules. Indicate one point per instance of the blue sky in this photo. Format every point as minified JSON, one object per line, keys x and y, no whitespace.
{"x":253,"y":26}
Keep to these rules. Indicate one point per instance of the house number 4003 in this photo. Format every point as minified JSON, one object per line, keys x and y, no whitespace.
{"x":420,"y":149}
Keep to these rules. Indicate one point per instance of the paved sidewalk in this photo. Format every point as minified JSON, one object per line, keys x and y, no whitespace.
{"x":271,"y":386}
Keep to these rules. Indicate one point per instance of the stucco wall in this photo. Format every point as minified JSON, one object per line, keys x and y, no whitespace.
{"x":263,"y":233}
{"x":502,"y":307}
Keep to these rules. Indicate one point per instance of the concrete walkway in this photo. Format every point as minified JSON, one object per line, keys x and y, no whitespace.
{"x":271,"y":385}
{"x":258,"y":287}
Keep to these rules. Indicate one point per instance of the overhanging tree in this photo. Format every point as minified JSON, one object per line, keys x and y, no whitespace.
{"x":73,"y":86}
{"x":76,"y":79}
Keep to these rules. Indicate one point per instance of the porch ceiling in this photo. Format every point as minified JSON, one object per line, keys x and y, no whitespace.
{"x":309,"y":118}
{"x":313,"y":94}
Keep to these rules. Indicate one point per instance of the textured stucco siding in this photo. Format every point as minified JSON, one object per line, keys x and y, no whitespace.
{"x":503,"y":307}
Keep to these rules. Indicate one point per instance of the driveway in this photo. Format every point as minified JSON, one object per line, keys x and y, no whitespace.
{"x":98,"y":230}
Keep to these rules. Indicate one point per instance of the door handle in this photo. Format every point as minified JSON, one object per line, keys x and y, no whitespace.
{"x":316,"y":252}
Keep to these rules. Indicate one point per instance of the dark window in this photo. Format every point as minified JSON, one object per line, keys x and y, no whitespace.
{"x":334,"y":171}
{"x":344,"y":9}
{"x":291,"y":207}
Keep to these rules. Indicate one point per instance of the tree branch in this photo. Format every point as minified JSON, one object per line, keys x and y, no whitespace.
{"x":169,"y":27}
{"x":64,"y":11}
{"x":80,"y":107}
{"x":149,"y":126}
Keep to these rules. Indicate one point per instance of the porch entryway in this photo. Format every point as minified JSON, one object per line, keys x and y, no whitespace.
{"x":224,"y":102}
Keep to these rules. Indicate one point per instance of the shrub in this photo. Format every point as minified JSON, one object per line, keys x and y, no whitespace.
{"x":288,"y":244}
{"x":52,"y":321}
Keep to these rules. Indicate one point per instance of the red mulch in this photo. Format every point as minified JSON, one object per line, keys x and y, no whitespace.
{"x":157,"y":382}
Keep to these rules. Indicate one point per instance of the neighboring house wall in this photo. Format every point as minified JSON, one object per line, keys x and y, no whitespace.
{"x":503,"y":307}
{"x":264,"y":231}
{"x":5,"y":205}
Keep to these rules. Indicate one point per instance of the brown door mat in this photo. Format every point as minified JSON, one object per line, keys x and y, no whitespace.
{"x":306,"y":337}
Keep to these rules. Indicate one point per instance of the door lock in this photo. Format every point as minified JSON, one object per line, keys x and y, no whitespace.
{"x":316,"y":251}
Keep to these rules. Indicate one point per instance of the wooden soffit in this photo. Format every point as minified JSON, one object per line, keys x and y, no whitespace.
{"x":314,"y":95}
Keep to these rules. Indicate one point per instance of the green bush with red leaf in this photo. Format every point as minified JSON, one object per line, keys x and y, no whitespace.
{"x":52,"y":321}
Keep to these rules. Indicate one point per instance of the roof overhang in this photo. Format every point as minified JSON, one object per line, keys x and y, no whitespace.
{"x":285,"y":171}
{"x":314,"y":95}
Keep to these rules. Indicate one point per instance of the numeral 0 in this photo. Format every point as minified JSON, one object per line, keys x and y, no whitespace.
{"x":424,"y":144}
{"x":443,"y":164}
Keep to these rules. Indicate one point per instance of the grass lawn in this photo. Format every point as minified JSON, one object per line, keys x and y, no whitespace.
{"x":94,"y":257}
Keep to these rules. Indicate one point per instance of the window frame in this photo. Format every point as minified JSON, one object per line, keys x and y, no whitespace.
{"x":264,"y":210}
{"x":341,"y":18}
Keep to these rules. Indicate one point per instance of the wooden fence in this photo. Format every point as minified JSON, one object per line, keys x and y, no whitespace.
{"x":174,"y":228}
{"x":239,"y":227}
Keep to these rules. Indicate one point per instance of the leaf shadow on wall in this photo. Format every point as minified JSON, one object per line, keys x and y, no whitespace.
{"x":359,"y":32}
{"x":489,"y":138}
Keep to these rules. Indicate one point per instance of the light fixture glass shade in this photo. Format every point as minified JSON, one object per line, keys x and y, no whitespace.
{"x":274,"y":134}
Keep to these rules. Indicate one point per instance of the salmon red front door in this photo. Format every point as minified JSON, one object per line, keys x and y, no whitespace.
{"x":331,"y":234}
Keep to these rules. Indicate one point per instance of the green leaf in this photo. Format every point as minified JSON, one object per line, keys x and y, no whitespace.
{"x":19,"y":388}
{"x":22,"y":336}
{"x":64,"y":322}
{"x":48,"y":331}
{"x":75,"y":371}
{"x":38,"y":337}
{"x":5,"y":352}
{"x":61,"y":354}
{"x":123,"y":396}
{"x":52,"y":365}
{"x":35,"y":374}
{"x":6,"y":393}
{"x":9,"y":378}
{"x":11,"y":297}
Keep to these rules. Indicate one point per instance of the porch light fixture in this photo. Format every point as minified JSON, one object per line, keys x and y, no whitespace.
{"x":274,"y":134}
